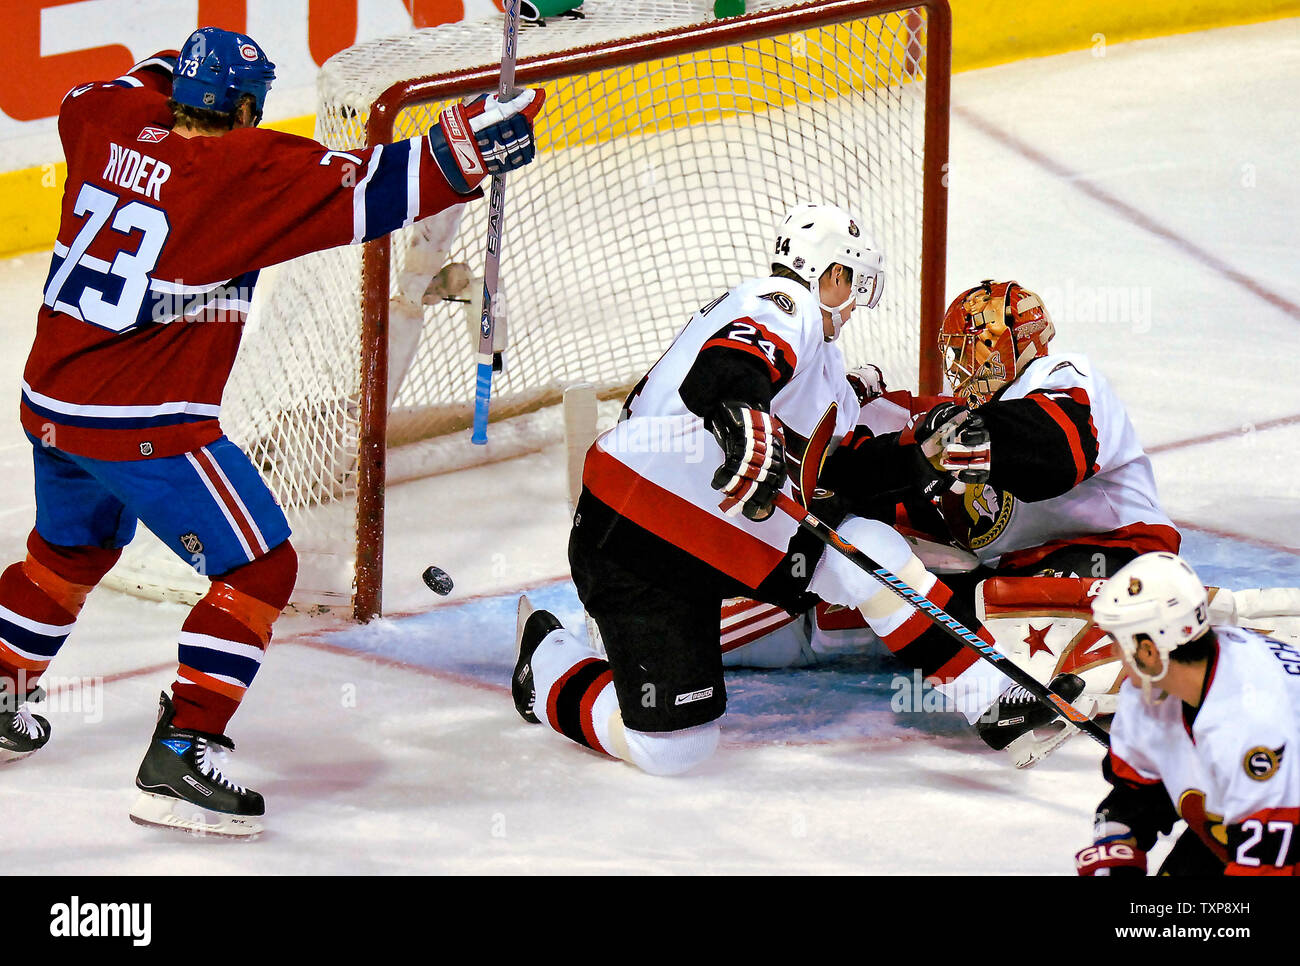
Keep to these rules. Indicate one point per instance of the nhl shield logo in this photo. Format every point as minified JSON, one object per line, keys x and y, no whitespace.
{"x":191,"y":543}
{"x":146,"y":448}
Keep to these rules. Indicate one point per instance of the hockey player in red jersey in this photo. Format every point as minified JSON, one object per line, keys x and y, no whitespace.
{"x":1207,"y":731}
{"x":175,"y":199}
{"x":753,"y":383}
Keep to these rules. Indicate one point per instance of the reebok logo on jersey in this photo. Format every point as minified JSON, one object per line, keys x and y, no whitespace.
{"x":153,"y":134}
{"x":1066,"y":365}
{"x":692,"y":696}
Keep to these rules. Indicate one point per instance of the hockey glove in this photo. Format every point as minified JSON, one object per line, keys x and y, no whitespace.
{"x":753,"y":470}
{"x":1113,"y":853}
{"x":485,"y":137}
{"x":953,"y":448}
{"x":868,"y":383}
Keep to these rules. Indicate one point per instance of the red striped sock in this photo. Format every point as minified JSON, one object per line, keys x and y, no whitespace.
{"x":568,"y":702}
{"x":40,"y":599}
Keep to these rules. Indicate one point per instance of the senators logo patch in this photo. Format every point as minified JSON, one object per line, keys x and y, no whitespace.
{"x":979,"y":516}
{"x":1209,"y":828}
{"x":781,"y":301}
{"x":1262,"y":763}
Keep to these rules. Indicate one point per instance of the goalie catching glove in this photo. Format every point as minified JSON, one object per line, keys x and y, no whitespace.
{"x":953,"y":444}
{"x":485,"y":137}
{"x":753,"y":470}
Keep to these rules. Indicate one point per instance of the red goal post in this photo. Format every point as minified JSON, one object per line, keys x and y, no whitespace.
{"x":928,"y":60}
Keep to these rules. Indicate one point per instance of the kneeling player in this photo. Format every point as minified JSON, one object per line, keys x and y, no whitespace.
{"x":755,"y":378}
{"x":1206,"y":731}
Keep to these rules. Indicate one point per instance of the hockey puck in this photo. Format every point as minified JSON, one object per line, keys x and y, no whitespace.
{"x":437,"y":580}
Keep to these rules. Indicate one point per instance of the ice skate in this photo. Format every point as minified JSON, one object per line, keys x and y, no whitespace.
{"x":21,"y":732}
{"x":182,"y":786}
{"x":531,"y":628}
{"x":1026,"y":728}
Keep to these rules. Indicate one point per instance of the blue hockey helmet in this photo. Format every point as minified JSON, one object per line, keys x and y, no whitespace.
{"x":217,"y":67}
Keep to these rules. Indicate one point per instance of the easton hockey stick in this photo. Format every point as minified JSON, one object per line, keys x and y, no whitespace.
{"x":945,"y":621}
{"x":492,"y":268}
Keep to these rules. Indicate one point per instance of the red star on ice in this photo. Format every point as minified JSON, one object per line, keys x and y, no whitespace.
{"x":1037,"y":640}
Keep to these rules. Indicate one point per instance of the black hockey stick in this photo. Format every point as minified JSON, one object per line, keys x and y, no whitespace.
{"x":945,"y":621}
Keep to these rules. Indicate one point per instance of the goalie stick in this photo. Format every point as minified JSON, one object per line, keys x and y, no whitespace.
{"x":492,"y":267}
{"x":945,"y":621}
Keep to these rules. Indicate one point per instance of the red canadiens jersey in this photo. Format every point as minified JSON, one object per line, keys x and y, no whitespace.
{"x":160,"y":242}
{"x":1068,"y":468}
{"x":1233,"y":769}
{"x":655,"y":467}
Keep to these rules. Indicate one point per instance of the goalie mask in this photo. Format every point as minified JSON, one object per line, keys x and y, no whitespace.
{"x":1156,"y":597}
{"x":989,"y":334}
{"x":812,"y":238}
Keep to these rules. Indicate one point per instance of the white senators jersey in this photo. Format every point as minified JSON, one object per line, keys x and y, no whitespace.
{"x":1232,"y":770}
{"x":1067,"y":468}
{"x":655,"y":467}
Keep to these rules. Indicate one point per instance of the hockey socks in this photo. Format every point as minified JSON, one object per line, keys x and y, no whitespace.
{"x":224,"y":639}
{"x":575,"y":694}
{"x":40,"y":599}
{"x":970,"y":684}
{"x":575,"y":697}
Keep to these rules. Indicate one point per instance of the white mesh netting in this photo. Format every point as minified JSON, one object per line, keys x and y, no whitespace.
{"x":657,"y":186}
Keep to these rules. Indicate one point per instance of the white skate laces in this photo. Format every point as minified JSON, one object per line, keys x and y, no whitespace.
{"x":1017,"y":694}
{"x":25,"y":722}
{"x":211,"y":760}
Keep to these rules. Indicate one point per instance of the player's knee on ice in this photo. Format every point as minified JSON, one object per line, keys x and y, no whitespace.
{"x":672,"y":752}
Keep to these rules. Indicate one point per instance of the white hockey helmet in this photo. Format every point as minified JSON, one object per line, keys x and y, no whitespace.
{"x":812,"y":238}
{"x":1157,"y":596}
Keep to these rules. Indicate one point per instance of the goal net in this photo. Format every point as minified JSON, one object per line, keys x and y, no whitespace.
{"x":669,"y":147}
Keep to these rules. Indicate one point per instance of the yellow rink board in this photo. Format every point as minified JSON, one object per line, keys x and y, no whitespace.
{"x":985,"y":32}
